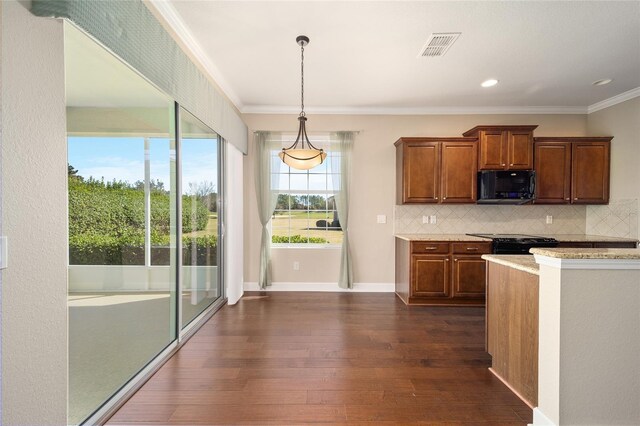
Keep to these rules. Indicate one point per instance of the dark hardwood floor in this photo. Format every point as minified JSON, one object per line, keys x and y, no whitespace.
{"x":329,"y":358}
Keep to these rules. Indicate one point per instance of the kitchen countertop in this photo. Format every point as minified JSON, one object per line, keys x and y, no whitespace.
{"x":560,"y":237}
{"x":440,"y":237}
{"x":523,"y":262}
{"x":587,"y":253}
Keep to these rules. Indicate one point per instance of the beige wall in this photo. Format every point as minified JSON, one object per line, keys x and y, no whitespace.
{"x":34,"y":217}
{"x":373,"y":186}
{"x":623,"y":122}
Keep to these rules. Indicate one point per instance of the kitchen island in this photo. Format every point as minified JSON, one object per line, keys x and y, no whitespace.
{"x":566,"y":339}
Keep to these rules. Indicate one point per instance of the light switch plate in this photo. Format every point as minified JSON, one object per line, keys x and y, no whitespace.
{"x":425,"y":219}
{"x":549,"y":219}
{"x":3,"y":253}
{"x":432,"y":219}
{"x":382,"y":218}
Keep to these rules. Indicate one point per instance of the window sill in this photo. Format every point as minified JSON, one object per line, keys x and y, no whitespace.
{"x":307,"y":246}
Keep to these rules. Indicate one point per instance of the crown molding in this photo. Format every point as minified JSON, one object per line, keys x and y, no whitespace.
{"x":273,"y":109}
{"x":622,"y":97}
{"x":174,"y":20}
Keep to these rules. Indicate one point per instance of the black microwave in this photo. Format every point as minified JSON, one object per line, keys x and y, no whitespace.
{"x":506,"y":187}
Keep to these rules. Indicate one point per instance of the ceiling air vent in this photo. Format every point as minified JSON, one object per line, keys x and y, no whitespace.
{"x":438,"y":44}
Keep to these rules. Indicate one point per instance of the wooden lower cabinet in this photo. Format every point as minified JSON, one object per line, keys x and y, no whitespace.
{"x":430,"y":276}
{"x":441,"y":272}
{"x":468,"y":278}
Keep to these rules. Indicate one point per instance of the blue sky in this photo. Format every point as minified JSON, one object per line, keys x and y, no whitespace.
{"x":122,"y":158}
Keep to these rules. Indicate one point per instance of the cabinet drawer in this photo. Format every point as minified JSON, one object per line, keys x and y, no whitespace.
{"x":471,"y":248}
{"x":428,"y":247}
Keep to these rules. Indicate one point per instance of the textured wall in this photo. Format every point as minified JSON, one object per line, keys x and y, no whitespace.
{"x":373,"y":186}
{"x":622,"y":121}
{"x":34,"y":214}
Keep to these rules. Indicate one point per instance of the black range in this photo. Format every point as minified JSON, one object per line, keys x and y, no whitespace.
{"x":516,"y":243}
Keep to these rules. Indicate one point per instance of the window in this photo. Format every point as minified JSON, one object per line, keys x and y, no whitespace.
{"x":305,"y":211}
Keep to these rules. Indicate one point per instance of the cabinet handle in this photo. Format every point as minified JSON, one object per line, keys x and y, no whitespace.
{"x":504,"y":164}
{"x":436,"y":198}
{"x":472,"y":248}
{"x":431,"y":248}
{"x":576,"y":198}
{"x":567,"y":199}
{"x":511,"y":164}
{"x":446,"y":260}
{"x":455,"y":260}
{"x":444,"y":198}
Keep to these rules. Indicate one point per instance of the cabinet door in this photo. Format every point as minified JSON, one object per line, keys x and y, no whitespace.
{"x":429,"y":276}
{"x":590,"y":173}
{"x":492,"y":150}
{"x":421,"y":172}
{"x":519,"y":150}
{"x":469,"y":277}
{"x":553,"y":172}
{"x":459,"y":172}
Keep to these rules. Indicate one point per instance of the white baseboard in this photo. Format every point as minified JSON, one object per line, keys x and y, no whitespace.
{"x":539,"y":419}
{"x":331,"y":286}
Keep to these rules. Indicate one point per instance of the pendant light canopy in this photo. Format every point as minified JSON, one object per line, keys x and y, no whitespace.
{"x":302,"y":158}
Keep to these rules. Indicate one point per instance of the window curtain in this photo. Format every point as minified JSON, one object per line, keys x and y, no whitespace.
{"x":267,"y":196}
{"x":341,"y":148}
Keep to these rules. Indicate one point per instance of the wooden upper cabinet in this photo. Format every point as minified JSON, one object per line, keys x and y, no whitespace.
{"x":428,"y":168}
{"x":418,"y":172}
{"x":492,"y":150}
{"x":459,"y":172}
{"x":519,"y":149}
{"x":553,"y":172}
{"x":572,"y":170}
{"x":504,"y":147}
{"x":590,"y":171}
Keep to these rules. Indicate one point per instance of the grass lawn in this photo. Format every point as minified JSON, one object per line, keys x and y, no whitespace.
{"x":300,"y":222}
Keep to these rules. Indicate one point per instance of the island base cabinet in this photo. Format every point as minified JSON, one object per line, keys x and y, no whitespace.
{"x":512,"y":329}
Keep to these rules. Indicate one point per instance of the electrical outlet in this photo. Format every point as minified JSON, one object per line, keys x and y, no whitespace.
{"x":549,"y":219}
{"x":432,"y":219}
{"x":296,"y":266}
{"x":382,"y":218}
{"x":425,"y":219}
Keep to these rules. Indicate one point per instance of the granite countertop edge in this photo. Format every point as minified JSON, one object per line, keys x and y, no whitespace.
{"x":525,"y":263}
{"x":559,"y":237}
{"x":587,"y":253}
{"x":441,"y":237}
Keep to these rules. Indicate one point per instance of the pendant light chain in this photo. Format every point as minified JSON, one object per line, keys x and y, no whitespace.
{"x":302,"y":80}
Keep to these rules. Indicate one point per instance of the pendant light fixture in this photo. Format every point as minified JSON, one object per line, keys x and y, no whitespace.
{"x":303,"y":158}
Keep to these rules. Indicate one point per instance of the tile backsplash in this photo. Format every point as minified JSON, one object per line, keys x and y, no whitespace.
{"x":619,"y":218}
{"x":466,"y":218}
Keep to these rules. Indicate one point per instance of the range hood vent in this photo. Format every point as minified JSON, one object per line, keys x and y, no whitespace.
{"x":438,"y":44}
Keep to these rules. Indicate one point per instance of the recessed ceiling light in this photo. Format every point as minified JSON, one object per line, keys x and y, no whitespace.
{"x":602,"y":82}
{"x":489,"y":83}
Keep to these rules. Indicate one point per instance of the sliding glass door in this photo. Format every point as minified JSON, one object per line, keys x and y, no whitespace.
{"x":201,"y":218}
{"x":144,"y":223}
{"x":122,"y":223}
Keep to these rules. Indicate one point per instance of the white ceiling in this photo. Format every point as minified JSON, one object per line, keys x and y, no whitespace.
{"x":363,"y":56}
